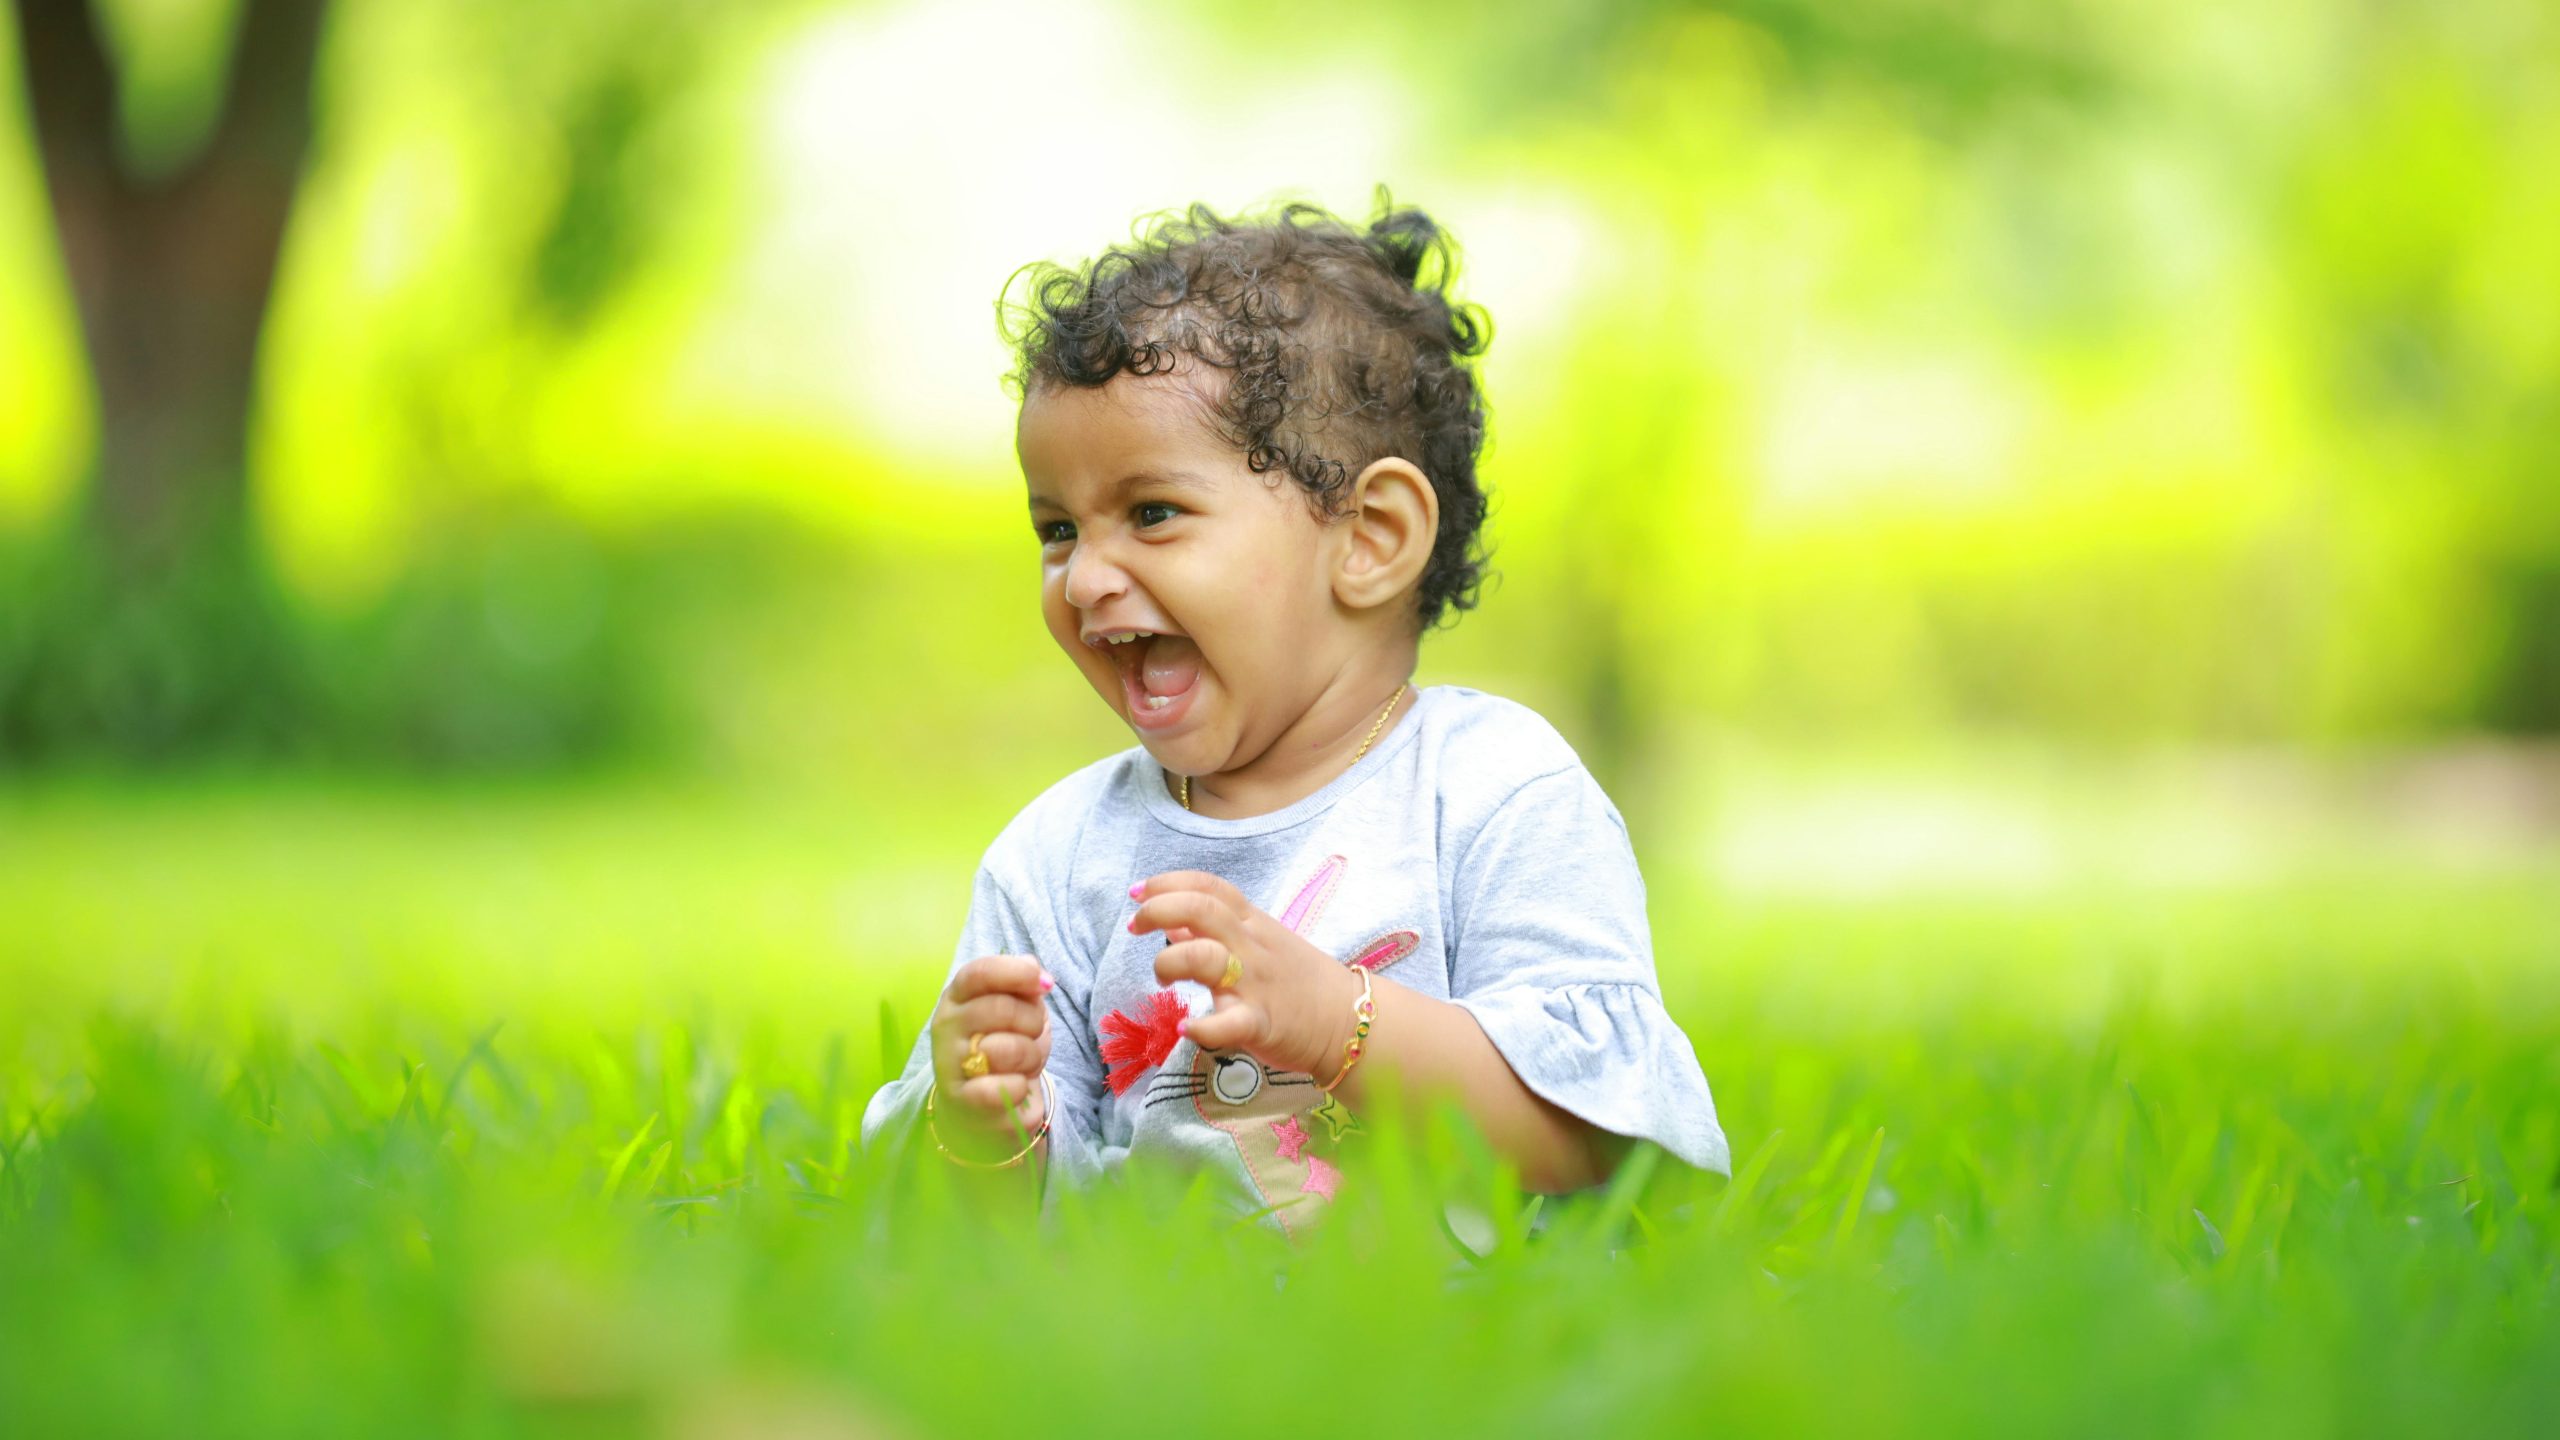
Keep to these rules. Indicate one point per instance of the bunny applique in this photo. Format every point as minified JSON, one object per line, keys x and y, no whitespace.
{"x":1284,"y":1126}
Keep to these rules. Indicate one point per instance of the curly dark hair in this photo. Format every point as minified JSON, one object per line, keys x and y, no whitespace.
{"x":1340,"y":347}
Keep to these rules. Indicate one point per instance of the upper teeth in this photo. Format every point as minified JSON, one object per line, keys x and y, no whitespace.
{"x":1125,"y":637}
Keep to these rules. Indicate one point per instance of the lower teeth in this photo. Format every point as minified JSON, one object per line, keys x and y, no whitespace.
{"x":1158,"y":702}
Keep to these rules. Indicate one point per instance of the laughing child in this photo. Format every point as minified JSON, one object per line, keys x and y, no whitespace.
{"x":1249,"y":447}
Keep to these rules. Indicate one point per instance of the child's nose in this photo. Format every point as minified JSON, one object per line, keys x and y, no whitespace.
{"x":1092,"y":579}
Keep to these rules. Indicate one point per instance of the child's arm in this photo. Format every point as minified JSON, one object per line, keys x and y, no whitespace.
{"x":1438,"y":1050}
{"x":1027,"y":1031}
{"x":1554,"y":1038}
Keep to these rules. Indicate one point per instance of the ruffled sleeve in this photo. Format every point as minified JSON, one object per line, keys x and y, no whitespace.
{"x":1551,"y":952}
{"x":997,"y":925}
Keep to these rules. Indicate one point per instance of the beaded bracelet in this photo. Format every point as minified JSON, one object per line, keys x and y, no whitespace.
{"x":1048,"y":1112}
{"x":1364,"y":1013}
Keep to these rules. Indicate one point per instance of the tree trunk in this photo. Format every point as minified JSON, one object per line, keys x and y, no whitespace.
{"x":155,"y":631}
{"x":171,"y":276}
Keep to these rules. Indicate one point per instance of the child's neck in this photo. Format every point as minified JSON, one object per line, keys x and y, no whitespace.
{"x":1314,"y":751}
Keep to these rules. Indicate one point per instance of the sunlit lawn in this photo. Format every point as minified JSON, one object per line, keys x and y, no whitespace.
{"x":411,"y":1111}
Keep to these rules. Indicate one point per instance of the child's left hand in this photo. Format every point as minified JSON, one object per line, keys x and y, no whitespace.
{"x":1291,"y":1006}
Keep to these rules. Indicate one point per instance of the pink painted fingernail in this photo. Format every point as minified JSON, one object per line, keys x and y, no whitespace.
{"x":1047,"y":984}
{"x":1138,"y":891}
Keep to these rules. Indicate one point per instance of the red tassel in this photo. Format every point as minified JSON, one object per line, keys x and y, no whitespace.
{"x":1133,"y":1047}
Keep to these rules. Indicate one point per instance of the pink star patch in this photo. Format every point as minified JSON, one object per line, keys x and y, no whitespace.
{"x":1293,"y":1137}
{"x":1321,"y":1179}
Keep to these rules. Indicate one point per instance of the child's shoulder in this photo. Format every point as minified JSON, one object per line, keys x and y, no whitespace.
{"x":1498,"y":756}
{"x":1507,"y":740}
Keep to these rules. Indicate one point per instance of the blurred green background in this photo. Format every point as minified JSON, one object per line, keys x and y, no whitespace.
{"x":2098,"y":374}
{"x":2042,"y":515}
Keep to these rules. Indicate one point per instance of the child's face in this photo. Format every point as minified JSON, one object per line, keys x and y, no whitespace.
{"x":1149,"y":522}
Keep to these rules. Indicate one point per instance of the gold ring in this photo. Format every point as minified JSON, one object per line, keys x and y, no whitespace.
{"x":976,"y":1065}
{"x":1234,"y":971}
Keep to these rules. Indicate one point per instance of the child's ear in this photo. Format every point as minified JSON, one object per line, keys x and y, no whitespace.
{"x":1386,"y":535}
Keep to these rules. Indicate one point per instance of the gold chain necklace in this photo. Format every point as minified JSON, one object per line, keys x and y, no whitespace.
{"x":1355,"y":755}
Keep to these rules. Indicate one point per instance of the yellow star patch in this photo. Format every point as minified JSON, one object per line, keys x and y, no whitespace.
{"x":1336,"y":1116}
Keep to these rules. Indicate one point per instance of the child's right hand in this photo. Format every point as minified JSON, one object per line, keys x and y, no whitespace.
{"x":999,"y":999}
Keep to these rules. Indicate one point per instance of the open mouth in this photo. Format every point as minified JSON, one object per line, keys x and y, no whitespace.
{"x":1158,"y":675}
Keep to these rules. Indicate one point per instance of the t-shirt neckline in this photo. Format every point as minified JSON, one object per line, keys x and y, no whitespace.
{"x":1167,"y":811}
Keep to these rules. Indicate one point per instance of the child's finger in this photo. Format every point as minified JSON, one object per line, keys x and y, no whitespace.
{"x":1203,"y":914}
{"x":1197,"y":881}
{"x":1007,"y":1053}
{"x":997,"y":975}
{"x":1201,"y":960}
{"x":1240,"y":1026}
{"x":991,"y":1095}
{"x":990,"y":1013}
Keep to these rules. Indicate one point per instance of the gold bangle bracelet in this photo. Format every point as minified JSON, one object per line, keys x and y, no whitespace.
{"x":1364,"y":1013}
{"x":1048,"y":1112}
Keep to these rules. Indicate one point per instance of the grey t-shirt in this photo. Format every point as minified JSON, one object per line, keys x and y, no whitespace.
{"x":1469,"y":855}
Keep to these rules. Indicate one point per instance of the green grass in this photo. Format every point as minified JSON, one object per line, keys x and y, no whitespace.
{"x":529,"y":1113}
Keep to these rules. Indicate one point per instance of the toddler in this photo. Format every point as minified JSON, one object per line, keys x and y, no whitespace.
{"x":1250,"y":454}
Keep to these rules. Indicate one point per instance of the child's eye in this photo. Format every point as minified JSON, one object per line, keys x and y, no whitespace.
{"x":1054,"y":532}
{"x":1158,"y":510}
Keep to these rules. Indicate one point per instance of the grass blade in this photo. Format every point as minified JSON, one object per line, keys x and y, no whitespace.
{"x":1746,"y":1182}
{"x":1855,"y":1203}
{"x":622,"y":1162}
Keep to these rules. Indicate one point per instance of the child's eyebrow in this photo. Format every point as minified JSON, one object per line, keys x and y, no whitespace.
{"x":1173,"y":479}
